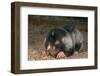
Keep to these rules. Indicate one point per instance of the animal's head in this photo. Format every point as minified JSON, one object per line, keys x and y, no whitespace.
{"x":53,"y":42}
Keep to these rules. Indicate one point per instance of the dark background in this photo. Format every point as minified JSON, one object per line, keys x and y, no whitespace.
{"x":39,"y":25}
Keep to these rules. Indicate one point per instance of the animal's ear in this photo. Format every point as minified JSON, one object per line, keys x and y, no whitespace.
{"x":53,"y":33}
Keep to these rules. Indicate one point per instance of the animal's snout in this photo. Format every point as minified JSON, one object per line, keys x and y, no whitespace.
{"x":50,"y":48}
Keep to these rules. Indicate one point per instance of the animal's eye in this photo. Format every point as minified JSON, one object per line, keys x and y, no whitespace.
{"x":57,"y":42}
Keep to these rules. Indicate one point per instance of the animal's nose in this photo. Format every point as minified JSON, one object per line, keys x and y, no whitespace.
{"x":49,"y":48}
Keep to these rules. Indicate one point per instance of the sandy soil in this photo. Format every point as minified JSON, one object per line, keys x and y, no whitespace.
{"x":37,"y":51}
{"x":34,"y":55}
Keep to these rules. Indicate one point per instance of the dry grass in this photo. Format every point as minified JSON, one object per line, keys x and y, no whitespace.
{"x":41,"y":55}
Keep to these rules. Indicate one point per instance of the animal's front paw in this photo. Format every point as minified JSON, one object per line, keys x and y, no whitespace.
{"x":60,"y":55}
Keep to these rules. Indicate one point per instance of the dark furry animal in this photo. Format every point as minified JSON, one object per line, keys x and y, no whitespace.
{"x":67,"y":39}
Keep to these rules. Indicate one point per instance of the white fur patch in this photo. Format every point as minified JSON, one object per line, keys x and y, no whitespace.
{"x":57,"y":42}
{"x":67,"y":41}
